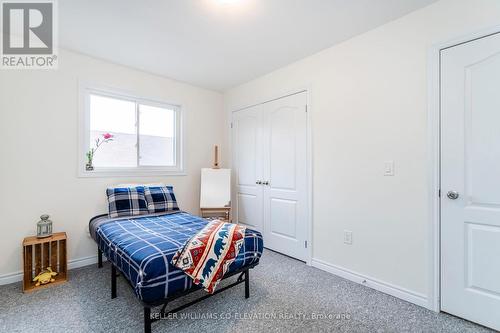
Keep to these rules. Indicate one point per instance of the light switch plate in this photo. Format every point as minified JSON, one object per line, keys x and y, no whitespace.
{"x":389,"y":168}
{"x":348,"y":237}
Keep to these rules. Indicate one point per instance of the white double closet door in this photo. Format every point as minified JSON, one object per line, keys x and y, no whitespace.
{"x":270,"y":165}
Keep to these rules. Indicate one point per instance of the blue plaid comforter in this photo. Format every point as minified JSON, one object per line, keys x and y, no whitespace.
{"x":142,"y":248}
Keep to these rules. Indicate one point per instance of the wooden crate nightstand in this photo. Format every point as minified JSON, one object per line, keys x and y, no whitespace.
{"x":40,"y":253}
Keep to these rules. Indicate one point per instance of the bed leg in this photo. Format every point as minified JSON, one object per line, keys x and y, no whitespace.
{"x":113,"y":281}
{"x":247,"y":283}
{"x":147,"y":319}
{"x":99,"y":258}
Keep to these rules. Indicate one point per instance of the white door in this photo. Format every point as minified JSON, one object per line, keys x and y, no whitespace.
{"x":247,"y":165}
{"x":285,"y":175}
{"x":270,"y":164}
{"x":470,"y":181}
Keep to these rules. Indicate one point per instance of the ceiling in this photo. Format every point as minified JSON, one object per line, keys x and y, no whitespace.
{"x":217,"y":44}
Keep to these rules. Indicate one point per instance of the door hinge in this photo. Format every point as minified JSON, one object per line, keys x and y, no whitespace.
{"x":305,"y":244}
{"x":439,"y":193}
{"x":231,"y":125}
{"x":306,"y":107}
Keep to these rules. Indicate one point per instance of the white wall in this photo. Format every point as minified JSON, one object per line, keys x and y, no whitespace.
{"x":369,"y":104}
{"x":38,"y":149}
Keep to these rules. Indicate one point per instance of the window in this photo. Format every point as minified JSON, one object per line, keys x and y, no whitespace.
{"x":124,"y":135}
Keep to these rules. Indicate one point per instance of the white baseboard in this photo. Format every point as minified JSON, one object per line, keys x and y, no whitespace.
{"x":388,"y":288}
{"x":72,"y":264}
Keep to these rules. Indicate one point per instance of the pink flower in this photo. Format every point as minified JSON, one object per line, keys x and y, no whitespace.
{"x":107,"y":136}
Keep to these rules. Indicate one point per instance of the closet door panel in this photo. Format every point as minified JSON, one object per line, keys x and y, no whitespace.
{"x":285,"y":175}
{"x":247,"y":166}
{"x":282,"y":149}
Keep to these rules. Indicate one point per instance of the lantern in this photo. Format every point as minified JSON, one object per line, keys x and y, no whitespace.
{"x":44,"y":227}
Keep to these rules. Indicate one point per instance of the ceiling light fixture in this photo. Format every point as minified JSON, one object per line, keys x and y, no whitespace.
{"x":227,"y":2}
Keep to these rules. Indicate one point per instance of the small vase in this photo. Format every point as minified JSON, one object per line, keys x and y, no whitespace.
{"x":89,"y":166}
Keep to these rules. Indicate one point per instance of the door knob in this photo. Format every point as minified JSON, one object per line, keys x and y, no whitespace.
{"x":265,"y":183}
{"x":453,"y":195}
{"x":258,"y":182}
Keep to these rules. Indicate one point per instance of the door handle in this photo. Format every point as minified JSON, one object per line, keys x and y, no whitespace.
{"x":258,"y":182}
{"x":265,"y":183}
{"x":453,"y":195}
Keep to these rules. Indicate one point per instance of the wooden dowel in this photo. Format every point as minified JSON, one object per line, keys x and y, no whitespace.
{"x":28,"y":266}
{"x":38,"y":259}
{"x":45,"y":255}
{"x":53,"y":256}
{"x":62,"y":256}
{"x":216,"y":157}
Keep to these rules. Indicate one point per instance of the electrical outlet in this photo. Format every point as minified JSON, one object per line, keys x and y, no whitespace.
{"x":347,"y":237}
{"x":389,"y":168}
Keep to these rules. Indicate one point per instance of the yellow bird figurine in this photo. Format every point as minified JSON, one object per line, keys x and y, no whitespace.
{"x":45,"y":277}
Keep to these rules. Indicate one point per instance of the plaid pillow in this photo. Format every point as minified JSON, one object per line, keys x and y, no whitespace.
{"x":160,"y":199}
{"x":126,"y":201}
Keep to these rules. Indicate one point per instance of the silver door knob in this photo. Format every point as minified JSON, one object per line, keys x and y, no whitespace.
{"x":453,"y":195}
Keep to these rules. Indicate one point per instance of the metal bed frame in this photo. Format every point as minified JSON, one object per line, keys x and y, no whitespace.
{"x":243,"y":277}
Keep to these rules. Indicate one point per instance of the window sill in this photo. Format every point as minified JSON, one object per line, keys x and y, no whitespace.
{"x":112,"y":173}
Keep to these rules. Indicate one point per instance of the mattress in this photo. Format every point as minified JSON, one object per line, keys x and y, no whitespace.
{"x":142,"y":247}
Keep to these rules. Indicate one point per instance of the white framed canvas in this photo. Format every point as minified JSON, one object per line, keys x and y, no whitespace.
{"x":215,"y":188}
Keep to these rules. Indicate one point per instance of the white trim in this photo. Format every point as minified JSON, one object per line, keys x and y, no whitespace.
{"x":126,"y":172}
{"x":309,"y":155}
{"x":72,"y":264}
{"x":434,"y":157}
{"x":433,"y":174}
{"x":385,"y":287}
{"x":85,"y":88}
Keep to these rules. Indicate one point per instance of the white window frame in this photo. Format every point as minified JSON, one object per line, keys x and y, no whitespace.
{"x":84,"y":135}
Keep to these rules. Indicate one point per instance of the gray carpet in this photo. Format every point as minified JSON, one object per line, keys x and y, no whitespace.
{"x":286,"y":295}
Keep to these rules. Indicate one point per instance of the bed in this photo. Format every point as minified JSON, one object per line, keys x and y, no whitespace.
{"x":140,"y":248}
